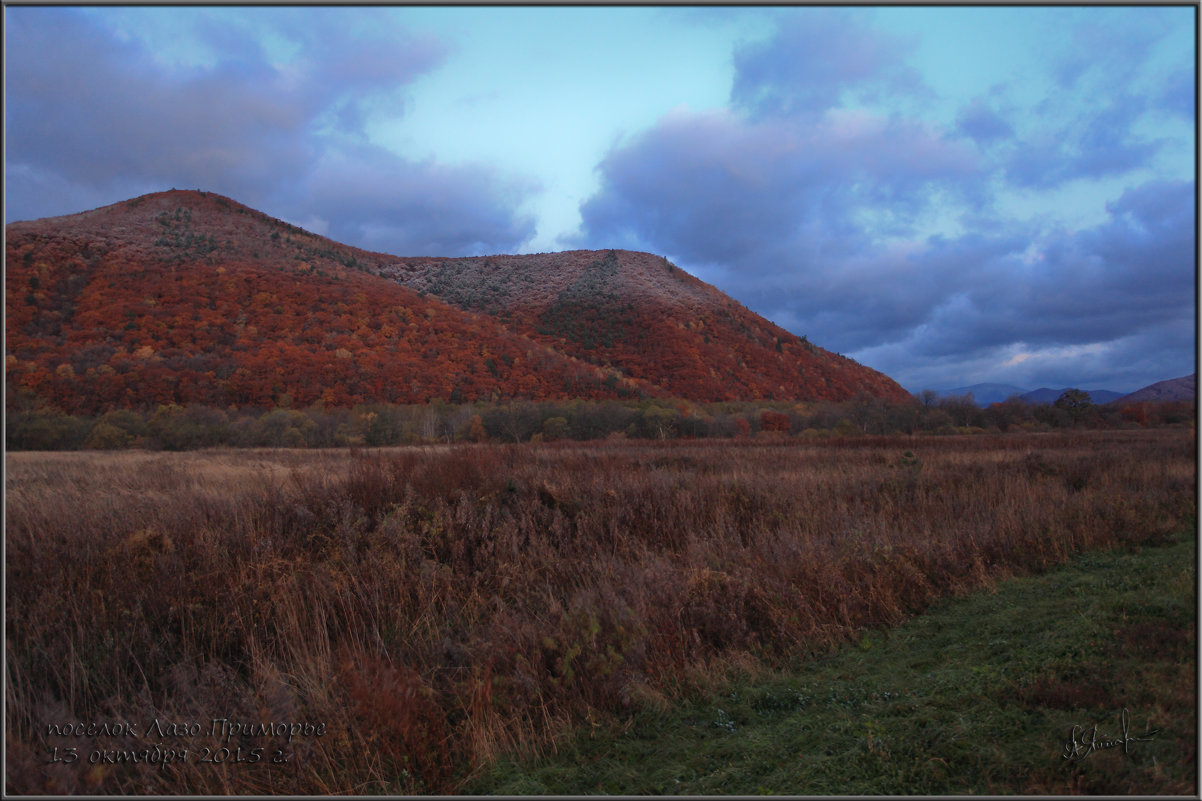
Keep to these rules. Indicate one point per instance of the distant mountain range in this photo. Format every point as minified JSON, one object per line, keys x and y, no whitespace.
{"x":984,"y":394}
{"x":191,"y":297}
{"x":1045,"y":395}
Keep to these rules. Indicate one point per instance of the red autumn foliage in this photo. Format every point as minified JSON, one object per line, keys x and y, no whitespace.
{"x":102,"y":315}
{"x":775,"y":421}
{"x":189,"y":297}
{"x":641,"y":314}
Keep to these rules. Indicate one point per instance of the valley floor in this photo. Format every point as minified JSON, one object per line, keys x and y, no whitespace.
{"x":1028,"y":688}
{"x":402,"y":620}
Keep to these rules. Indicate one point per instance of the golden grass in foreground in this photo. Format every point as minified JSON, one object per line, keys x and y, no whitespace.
{"x":431,"y":608}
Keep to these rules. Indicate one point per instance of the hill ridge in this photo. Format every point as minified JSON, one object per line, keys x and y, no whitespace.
{"x":1173,"y":389}
{"x":639,"y":295}
{"x":189,"y":296}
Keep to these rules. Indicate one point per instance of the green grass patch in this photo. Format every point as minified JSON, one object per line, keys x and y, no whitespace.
{"x":979,"y":695}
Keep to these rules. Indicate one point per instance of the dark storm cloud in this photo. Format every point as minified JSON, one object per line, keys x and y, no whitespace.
{"x":711,"y":188}
{"x":783,"y":202}
{"x":1122,"y":278}
{"x":99,"y":111}
{"x":705,"y":187}
{"x":1115,"y":301}
{"x":787,"y":218}
{"x":408,"y":208}
{"x":810,"y":214}
{"x":1106,"y":282}
{"x":93,"y":118}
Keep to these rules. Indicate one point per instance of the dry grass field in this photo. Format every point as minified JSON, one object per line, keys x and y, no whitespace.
{"x":318,"y":622}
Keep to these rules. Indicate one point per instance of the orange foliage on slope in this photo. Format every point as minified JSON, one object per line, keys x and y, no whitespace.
{"x":186,"y":296}
{"x":653,"y":321}
{"x":189,"y":297}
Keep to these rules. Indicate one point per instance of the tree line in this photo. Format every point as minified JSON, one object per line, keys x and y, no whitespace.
{"x":33,"y":424}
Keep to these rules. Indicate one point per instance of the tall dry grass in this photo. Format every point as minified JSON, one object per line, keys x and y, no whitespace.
{"x":433,"y":608}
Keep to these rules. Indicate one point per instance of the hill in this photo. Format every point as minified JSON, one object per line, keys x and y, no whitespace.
{"x":641,"y":315}
{"x":186,"y":296}
{"x":984,"y":394}
{"x":1045,"y":395}
{"x":190,"y":297}
{"x":1184,"y":388}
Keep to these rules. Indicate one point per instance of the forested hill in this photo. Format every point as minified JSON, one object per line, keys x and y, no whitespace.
{"x":190,"y":297}
{"x":642,"y":314}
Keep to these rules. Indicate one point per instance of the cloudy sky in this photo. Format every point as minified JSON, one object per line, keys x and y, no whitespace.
{"x":949,"y":195}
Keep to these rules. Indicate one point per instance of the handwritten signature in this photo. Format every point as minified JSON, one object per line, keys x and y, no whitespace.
{"x":1084,"y":742}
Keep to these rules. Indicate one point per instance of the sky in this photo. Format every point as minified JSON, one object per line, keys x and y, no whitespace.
{"x":951,"y":196}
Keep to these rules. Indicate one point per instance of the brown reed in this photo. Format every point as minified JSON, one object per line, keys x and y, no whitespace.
{"x":434,"y":607}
